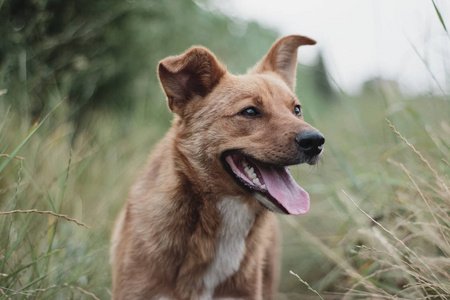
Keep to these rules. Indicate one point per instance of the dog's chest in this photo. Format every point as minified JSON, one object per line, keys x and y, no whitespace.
{"x":237,"y":220}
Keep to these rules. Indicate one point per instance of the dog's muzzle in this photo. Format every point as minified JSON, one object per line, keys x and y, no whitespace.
{"x":310,"y":142}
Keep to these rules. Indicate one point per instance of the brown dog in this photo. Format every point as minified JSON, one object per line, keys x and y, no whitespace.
{"x":197,"y":223}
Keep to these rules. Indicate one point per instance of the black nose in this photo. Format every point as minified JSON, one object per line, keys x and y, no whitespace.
{"x":310,"y":142}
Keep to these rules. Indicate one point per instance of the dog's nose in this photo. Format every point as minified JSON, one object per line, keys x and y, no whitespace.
{"x":310,"y":142}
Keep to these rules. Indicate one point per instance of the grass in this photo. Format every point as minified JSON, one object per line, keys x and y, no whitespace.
{"x":378,"y":225}
{"x":378,"y":228}
{"x":63,"y":186}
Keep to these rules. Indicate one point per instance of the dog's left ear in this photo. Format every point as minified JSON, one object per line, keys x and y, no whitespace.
{"x":282,"y":58}
{"x":193,"y":73}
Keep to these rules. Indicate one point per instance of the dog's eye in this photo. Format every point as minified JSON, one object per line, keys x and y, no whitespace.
{"x":250,"y":112}
{"x":297,"y":110}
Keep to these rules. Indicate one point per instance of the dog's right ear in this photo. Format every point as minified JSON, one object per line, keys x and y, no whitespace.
{"x":195,"y":72}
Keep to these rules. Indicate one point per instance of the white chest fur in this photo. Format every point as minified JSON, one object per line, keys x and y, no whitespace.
{"x":237,"y":219}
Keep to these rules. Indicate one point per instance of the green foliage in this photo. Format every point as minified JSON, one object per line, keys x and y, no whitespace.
{"x":104,"y":53}
{"x":332,"y":248}
{"x":101,"y":57}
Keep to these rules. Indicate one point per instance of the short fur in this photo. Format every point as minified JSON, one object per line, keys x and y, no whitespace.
{"x":188,"y":230}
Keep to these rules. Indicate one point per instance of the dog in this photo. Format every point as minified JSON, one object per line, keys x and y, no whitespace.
{"x":197,"y":223}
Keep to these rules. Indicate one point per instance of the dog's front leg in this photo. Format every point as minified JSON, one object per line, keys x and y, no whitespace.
{"x":271,"y":266}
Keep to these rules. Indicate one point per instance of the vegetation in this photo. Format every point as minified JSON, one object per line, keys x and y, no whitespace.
{"x":81,"y":108}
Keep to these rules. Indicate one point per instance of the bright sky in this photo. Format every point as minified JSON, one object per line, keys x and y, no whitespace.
{"x":401,"y":40}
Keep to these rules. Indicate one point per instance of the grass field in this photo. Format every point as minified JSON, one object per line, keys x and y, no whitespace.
{"x":379,"y":221}
{"x":378,"y":227}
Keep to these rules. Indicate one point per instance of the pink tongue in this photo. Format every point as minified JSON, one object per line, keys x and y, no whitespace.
{"x":285,"y":190}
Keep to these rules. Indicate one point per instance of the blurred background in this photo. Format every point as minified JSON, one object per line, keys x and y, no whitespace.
{"x":81,"y":108}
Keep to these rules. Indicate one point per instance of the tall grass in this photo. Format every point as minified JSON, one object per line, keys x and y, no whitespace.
{"x":379,"y":225}
{"x":58,"y":201}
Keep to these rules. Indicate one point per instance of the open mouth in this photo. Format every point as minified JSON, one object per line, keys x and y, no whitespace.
{"x":273,"y":186}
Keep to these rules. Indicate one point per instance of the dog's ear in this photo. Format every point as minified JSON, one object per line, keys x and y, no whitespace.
{"x":282,"y":58}
{"x":195,"y":72}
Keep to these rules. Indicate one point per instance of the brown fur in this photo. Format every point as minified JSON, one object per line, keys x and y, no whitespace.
{"x":167,"y":235}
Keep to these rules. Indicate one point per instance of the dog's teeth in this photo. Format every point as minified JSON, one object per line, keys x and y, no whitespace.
{"x":256,"y":181}
{"x":264,"y":186}
{"x":250,"y":172}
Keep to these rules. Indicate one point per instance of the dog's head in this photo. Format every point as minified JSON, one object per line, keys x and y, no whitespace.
{"x":241,"y":133}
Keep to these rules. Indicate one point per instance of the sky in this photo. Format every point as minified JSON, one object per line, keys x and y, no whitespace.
{"x":401,"y":40}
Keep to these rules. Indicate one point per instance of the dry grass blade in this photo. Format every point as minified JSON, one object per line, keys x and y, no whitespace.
{"x":83,"y":291}
{"x":436,"y":175}
{"x":40,"y":290}
{"x":336,"y":258}
{"x":16,"y":157}
{"x":305,"y":283}
{"x":424,"y":200}
{"x":45,"y":212}
{"x":399,"y":241}
{"x":398,"y":265}
{"x":446,"y":162}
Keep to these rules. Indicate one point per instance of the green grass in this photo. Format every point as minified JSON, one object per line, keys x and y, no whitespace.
{"x":87,"y":179}
{"x":378,"y":227}
{"x":379,"y":222}
{"x":401,"y":247}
